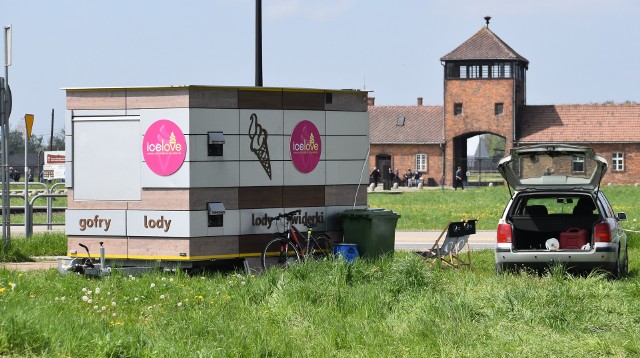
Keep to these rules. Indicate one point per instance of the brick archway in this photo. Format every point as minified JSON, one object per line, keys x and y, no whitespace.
{"x":482,"y":163}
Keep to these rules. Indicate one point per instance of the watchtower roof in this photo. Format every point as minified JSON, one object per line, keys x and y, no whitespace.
{"x":484,"y":45}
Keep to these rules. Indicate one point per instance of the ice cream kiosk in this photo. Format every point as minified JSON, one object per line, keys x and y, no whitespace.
{"x":190,"y":175}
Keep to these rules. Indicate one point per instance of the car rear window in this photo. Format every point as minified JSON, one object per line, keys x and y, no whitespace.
{"x":553,"y":204}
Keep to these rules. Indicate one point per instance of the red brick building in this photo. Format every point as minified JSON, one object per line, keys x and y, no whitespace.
{"x":485,"y":92}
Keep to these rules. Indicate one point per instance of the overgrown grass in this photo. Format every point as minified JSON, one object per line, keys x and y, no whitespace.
{"x":401,"y":306}
{"x":41,"y":244}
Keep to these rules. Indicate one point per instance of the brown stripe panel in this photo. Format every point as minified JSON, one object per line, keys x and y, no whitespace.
{"x":260,"y":197}
{"x":262,"y":99}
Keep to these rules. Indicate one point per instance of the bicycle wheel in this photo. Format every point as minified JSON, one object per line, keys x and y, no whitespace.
{"x":279,"y":253}
{"x":320,"y":247}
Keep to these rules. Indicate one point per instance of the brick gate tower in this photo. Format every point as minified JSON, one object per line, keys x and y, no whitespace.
{"x":484,"y":89}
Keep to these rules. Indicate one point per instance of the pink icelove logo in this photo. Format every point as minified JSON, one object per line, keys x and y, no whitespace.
{"x":164,"y":147}
{"x":305,"y":146}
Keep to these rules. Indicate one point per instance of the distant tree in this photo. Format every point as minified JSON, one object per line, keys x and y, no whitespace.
{"x":494,"y":143}
{"x":36,"y":143}
{"x":58,"y":141}
{"x":16,"y":142}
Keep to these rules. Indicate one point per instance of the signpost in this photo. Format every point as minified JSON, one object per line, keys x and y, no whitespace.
{"x":28,"y":121}
{"x":5,"y":106}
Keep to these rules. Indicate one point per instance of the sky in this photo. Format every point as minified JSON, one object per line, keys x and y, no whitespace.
{"x":579,"y":51}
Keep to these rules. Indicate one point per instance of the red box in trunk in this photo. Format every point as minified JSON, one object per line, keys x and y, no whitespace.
{"x":573,"y":238}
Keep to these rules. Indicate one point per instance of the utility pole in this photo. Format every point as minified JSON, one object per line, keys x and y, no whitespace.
{"x":258,"y":43}
{"x":51,"y":138}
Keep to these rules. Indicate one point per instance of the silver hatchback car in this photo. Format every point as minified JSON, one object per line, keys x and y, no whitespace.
{"x":557,"y":214}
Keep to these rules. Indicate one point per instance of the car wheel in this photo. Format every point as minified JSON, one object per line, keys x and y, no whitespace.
{"x":625,"y":264}
{"x":499,"y":269}
{"x":622,"y":266}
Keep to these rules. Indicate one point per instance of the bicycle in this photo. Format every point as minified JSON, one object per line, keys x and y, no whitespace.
{"x":292,"y":246}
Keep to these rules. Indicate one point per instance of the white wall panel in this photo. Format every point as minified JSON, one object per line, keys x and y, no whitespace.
{"x":252,"y":173}
{"x":96,"y":222}
{"x":214,"y":174}
{"x":68,"y":160}
{"x":230,"y":224}
{"x":203,"y":120}
{"x":179,"y":179}
{"x":292,"y":118}
{"x":103,"y":151}
{"x":347,"y":123}
{"x":195,"y":175}
{"x":293,"y":176}
{"x":346,"y":172}
{"x":68,"y":174}
{"x":199,"y":144}
{"x":179,"y":116}
{"x":346,"y":147}
{"x":164,"y":223}
{"x":68,"y":122}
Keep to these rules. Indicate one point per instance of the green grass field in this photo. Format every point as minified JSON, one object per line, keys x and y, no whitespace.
{"x":397,"y":306}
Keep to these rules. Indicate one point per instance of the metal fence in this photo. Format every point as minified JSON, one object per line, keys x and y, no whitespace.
{"x":482,"y":164}
{"x":37,"y":191}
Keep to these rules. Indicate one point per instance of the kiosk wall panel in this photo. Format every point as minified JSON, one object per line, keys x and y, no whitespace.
{"x":115,"y":152}
{"x":115,"y":247}
{"x":292,"y":176}
{"x":203,"y":120}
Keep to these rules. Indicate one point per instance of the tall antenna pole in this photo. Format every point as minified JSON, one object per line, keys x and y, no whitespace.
{"x":258,"y":43}
{"x":51,"y":138}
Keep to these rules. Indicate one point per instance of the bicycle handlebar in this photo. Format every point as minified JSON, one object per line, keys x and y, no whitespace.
{"x":288,"y":215}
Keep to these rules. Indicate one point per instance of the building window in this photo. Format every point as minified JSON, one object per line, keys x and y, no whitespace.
{"x":484,"y":69}
{"x":499,"y":108}
{"x":497,"y":70}
{"x":421,"y":162}
{"x":474,"y":71}
{"x":618,"y":161}
{"x":577,"y":164}
{"x":457,"y":109}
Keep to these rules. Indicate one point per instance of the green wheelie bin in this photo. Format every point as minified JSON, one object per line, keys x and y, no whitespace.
{"x":374,"y":230}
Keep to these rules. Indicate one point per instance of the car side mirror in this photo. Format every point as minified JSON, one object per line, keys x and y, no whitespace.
{"x":622,"y":216}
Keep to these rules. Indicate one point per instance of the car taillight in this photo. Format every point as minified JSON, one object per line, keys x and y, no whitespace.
{"x":601,"y":233}
{"x":504,"y":233}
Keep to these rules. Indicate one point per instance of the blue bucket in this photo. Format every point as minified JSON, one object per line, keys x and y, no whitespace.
{"x":348,"y":251}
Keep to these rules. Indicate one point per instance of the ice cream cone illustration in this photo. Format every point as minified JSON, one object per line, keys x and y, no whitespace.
{"x":259,"y":146}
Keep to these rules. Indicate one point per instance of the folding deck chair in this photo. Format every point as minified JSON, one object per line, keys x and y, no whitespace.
{"x":456,"y":240}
